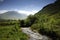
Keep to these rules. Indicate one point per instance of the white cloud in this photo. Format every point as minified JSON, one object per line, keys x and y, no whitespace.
{"x":20,"y":11}
{"x":27,"y":12}
{"x":3,"y":11}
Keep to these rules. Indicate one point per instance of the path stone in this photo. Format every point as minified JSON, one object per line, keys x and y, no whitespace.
{"x":34,"y":35}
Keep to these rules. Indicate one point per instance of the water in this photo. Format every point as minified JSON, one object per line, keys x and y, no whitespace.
{"x":34,"y":35}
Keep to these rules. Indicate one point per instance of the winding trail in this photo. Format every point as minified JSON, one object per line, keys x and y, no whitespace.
{"x":34,"y":35}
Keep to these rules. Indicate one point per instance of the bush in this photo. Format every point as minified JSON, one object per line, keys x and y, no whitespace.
{"x":12,"y":32}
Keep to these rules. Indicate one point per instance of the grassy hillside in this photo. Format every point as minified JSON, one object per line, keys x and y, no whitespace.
{"x":48,"y":21}
{"x":10,"y":30}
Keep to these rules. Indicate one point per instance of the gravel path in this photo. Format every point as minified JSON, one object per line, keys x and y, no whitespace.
{"x":33,"y":35}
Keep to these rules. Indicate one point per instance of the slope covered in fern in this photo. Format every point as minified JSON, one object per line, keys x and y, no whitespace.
{"x":48,"y":21}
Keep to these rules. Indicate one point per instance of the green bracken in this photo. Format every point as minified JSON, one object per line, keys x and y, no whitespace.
{"x":11,"y":31}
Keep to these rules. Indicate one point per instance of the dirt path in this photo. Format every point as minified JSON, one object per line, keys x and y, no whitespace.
{"x":33,"y":35}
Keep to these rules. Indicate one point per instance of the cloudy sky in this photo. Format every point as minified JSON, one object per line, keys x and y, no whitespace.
{"x":23,"y":6}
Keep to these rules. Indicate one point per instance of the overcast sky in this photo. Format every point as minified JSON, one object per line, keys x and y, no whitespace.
{"x":23,"y":6}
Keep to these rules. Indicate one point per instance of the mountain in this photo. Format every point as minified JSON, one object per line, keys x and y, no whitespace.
{"x":50,"y":9}
{"x":12,"y":15}
{"x":48,"y":20}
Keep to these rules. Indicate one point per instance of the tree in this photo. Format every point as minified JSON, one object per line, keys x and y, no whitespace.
{"x":30,"y":20}
{"x":22,"y":23}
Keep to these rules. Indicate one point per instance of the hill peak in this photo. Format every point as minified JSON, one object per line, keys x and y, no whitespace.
{"x":13,"y":15}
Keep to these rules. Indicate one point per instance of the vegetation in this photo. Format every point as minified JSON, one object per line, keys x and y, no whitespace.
{"x":10,"y":30}
{"x":28,"y":22}
{"x":48,"y":25}
{"x":46,"y":21}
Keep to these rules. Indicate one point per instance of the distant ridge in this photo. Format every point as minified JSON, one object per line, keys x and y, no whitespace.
{"x":12,"y":15}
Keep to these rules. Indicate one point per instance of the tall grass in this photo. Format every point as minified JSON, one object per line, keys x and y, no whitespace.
{"x":11,"y":31}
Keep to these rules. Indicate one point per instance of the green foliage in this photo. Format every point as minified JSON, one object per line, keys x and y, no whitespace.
{"x":11,"y":31}
{"x":48,"y":22}
{"x":30,"y":20}
{"x":22,"y":23}
{"x":48,"y":25}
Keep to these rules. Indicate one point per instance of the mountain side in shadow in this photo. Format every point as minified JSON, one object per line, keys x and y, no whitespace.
{"x":50,"y":9}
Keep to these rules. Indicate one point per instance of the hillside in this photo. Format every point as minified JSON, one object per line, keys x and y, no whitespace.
{"x":10,"y":30}
{"x":50,"y":9}
{"x":12,"y":15}
{"x":48,"y":21}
